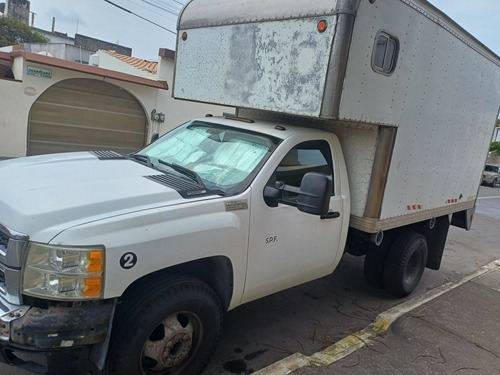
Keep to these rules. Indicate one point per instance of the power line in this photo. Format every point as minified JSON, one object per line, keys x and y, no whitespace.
{"x":175,"y":13}
{"x":148,"y":9}
{"x":143,"y":18}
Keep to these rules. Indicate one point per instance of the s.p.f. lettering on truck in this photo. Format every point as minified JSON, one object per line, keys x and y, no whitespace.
{"x":360,"y":126}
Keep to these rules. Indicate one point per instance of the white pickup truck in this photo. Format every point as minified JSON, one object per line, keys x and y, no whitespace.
{"x":491,"y":174}
{"x":361,"y":126}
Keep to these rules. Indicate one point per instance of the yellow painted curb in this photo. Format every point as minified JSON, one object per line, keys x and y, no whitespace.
{"x":350,"y":344}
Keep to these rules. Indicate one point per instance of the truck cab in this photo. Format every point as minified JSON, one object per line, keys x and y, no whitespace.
{"x":237,"y":207}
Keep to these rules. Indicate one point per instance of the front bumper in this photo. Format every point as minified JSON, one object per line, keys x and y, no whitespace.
{"x":57,"y":332}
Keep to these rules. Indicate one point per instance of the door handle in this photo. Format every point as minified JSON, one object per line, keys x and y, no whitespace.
{"x":331,"y":215}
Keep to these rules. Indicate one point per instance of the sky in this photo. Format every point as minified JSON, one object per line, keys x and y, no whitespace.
{"x":101,"y":20}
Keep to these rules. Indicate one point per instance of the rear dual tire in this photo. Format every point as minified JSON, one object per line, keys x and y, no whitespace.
{"x":399,"y":269}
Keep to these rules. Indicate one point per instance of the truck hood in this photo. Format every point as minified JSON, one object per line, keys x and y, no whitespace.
{"x":43,"y":195}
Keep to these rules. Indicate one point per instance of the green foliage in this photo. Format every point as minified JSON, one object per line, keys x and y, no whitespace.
{"x":495,"y":148}
{"x":14,"y":32}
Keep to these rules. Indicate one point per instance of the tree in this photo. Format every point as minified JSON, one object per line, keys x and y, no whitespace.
{"x":495,"y":148}
{"x":14,"y":32}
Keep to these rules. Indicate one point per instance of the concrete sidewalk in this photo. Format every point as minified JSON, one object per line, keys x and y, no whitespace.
{"x":453,"y":329}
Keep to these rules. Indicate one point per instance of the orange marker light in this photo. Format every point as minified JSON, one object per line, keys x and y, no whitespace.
{"x":95,"y":261}
{"x":322,"y":26}
{"x":92,"y":287}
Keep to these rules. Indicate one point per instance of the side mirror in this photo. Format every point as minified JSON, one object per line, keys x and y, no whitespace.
{"x":314,"y":195}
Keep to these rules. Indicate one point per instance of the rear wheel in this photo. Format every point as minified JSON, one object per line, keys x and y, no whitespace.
{"x":405,"y":263}
{"x":173,"y":328}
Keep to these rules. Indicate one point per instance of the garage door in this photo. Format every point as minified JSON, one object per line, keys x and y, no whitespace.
{"x":84,"y":114}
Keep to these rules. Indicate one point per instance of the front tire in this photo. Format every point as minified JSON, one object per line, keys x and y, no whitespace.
{"x":405,"y":263}
{"x":171,"y":328}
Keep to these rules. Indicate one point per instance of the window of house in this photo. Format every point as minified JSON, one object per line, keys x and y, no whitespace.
{"x":385,"y":53}
{"x":6,"y":70}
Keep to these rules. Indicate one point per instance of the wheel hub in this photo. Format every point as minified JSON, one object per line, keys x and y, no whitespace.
{"x":176,"y":349}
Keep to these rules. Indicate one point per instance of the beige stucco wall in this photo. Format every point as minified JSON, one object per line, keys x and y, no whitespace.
{"x":17,"y":98}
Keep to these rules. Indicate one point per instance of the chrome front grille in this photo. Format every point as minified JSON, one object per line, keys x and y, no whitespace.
{"x":12,"y":247}
{"x":4,"y":240}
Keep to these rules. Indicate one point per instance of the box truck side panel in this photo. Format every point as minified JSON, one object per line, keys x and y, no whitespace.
{"x":443,"y":94}
{"x":359,"y":143}
{"x":275,"y":66}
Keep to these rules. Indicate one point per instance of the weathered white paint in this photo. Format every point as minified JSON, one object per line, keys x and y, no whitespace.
{"x":442,"y":99}
{"x":180,"y":111}
{"x":273,"y":66}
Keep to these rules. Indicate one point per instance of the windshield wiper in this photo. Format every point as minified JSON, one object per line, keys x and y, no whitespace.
{"x":185,"y":171}
{"x":144,"y":159}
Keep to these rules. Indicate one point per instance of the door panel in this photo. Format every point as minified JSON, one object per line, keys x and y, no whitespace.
{"x":288,"y":247}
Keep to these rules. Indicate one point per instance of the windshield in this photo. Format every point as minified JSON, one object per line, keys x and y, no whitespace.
{"x":223,"y":158}
{"x":491,"y":168}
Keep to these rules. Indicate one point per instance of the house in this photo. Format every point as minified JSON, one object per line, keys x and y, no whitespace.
{"x":53,"y":105}
{"x":118,"y":103}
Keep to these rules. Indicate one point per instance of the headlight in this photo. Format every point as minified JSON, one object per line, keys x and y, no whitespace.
{"x":64,"y":272}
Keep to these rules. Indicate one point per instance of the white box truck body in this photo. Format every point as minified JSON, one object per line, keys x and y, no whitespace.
{"x":359,"y":122}
{"x":415,"y":130}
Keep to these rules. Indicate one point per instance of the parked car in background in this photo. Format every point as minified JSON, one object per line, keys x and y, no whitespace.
{"x":491,"y":175}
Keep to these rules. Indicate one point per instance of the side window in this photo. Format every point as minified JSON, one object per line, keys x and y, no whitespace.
{"x":311,"y":156}
{"x":385,"y":53}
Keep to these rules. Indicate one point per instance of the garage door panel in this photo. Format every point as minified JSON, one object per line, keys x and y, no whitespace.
{"x":49,"y":113}
{"x":85,"y":114}
{"x":98,"y":137}
{"x":95,"y":87}
{"x":77,"y":99}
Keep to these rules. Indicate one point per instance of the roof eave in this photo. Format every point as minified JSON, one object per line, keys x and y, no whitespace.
{"x":88,"y":69}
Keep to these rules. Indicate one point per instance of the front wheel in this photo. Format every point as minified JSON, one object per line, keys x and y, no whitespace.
{"x":405,"y":263}
{"x":172,"y":328}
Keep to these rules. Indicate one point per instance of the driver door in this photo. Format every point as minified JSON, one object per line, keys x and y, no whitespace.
{"x":288,"y":247}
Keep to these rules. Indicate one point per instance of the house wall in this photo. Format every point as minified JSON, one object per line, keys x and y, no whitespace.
{"x":104,"y":60}
{"x":59,"y":51}
{"x":17,"y":97}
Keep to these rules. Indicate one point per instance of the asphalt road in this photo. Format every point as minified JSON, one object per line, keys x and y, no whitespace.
{"x":312,"y":316}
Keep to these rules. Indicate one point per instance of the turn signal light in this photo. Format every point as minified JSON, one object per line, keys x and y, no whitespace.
{"x":322,"y":26}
